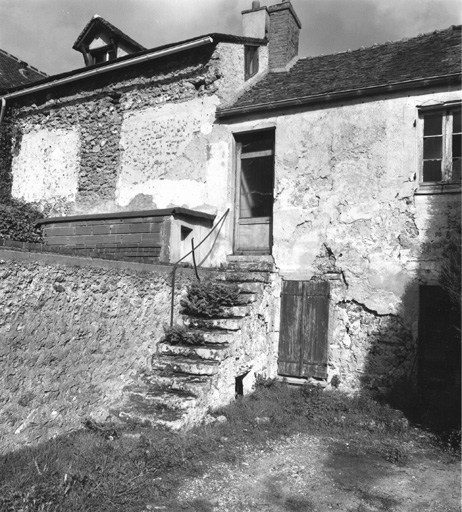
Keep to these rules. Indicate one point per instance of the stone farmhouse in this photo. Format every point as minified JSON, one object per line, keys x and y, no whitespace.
{"x":340,"y":175}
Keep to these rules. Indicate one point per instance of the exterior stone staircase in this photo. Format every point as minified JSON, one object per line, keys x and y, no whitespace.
{"x":185,"y":381}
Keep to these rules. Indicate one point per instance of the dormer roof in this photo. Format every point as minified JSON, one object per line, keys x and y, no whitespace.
{"x":98,"y":26}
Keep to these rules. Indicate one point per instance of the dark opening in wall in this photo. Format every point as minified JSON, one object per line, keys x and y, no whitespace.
{"x":185,"y":232}
{"x":239,"y":384}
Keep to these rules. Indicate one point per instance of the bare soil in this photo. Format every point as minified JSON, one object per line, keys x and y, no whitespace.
{"x":307,"y":473}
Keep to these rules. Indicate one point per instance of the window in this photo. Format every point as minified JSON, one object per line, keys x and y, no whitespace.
{"x":251,"y":61}
{"x":256,"y":184}
{"x":441,"y":146}
{"x":102,"y":55}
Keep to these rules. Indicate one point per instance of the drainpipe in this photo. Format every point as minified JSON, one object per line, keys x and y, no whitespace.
{"x":2,"y":110}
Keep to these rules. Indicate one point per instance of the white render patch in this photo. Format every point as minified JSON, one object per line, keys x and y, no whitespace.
{"x":216,"y":174}
{"x":165,"y":193}
{"x":47,"y":165}
{"x":155,"y":144}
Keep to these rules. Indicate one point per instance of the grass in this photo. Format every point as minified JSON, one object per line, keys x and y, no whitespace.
{"x":108,"y":469}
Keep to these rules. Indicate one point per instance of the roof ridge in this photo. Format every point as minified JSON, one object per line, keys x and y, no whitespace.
{"x":385,"y":43}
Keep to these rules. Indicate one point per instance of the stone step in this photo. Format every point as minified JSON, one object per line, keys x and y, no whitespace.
{"x":165,"y":398}
{"x":250,"y":288}
{"x":217,"y":337}
{"x":250,"y":263}
{"x":185,"y":365}
{"x":201,"y":352}
{"x":247,"y":298}
{"x":244,"y":277}
{"x":150,"y":415}
{"x":229,"y":312}
{"x":226,"y":324}
{"x":195,"y":384}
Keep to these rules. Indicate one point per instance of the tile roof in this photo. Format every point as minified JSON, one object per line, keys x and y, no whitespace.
{"x":98,"y":20}
{"x":429,"y":55}
{"x":14,"y":72}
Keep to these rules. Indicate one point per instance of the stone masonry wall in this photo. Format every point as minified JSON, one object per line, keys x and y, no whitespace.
{"x":72,"y":332}
{"x":138,"y":138}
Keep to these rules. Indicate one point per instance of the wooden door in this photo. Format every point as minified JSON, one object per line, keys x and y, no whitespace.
{"x":303,"y":337}
{"x":255,"y":182}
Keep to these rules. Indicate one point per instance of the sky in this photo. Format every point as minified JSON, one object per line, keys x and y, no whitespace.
{"x":42,"y":32}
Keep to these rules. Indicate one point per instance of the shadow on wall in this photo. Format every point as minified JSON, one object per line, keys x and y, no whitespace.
{"x":416,"y":352}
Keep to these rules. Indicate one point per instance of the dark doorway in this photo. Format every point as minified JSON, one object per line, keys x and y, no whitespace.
{"x":439,"y":341}
{"x":303,"y":337}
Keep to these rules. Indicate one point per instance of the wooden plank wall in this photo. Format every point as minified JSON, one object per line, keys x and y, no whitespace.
{"x":143,"y":238}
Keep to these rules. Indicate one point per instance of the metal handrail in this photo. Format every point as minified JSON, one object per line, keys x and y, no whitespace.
{"x":175,"y":266}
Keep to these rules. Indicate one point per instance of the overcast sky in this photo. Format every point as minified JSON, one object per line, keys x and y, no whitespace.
{"x":42,"y":32}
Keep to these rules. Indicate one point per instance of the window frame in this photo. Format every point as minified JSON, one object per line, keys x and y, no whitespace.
{"x":251,"y":60}
{"x":107,"y":52}
{"x":447,"y":184}
{"x":240,"y":138}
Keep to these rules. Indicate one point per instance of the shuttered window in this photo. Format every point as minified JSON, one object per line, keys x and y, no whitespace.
{"x":303,"y":341}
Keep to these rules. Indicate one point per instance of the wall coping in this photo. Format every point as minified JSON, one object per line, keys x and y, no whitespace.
{"x":28,"y":251}
{"x":129,"y":214}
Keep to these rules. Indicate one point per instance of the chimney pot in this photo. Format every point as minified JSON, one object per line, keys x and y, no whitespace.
{"x":255,"y":4}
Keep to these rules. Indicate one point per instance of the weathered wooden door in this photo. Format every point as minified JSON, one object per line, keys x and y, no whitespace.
{"x":255,"y":181}
{"x":303,"y":337}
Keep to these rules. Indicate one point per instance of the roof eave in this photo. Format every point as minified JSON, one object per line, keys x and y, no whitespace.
{"x":340,"y":95}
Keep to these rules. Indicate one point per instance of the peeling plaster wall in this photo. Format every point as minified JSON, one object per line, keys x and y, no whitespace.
{"x":165,"y":153}
{"x":145,"y":137}
{"x":345,"y":206}
{"x":135,"y":139}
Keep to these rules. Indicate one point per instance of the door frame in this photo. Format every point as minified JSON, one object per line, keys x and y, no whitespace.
{"x":237,"y":155}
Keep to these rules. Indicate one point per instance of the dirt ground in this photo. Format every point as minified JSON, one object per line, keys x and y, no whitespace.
{"x":314,"y":474}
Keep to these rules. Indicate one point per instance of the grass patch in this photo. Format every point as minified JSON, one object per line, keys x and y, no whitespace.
{"x":90,"y":470}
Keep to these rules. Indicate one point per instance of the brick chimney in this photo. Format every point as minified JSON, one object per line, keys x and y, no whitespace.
{"x":280,"y":25}
{"x":283,"y":34}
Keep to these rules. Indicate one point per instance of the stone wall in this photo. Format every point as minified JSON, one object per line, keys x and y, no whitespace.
{"x":143,"y":137}
{"x":73,"y":331}
{"x":76,"y":333}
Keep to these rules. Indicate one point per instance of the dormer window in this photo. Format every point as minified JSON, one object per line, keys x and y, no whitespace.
{"x":251,"y":61}
{"x":102,"y":55}
{"x":101,"y":42}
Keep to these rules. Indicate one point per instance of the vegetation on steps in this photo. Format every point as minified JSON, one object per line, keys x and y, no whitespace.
{"x":107,"y":468}
{"x":180,"y":335}
{"x":209,"y":299}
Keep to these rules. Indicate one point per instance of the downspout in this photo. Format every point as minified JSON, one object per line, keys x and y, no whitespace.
{"x":2,"y":110}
